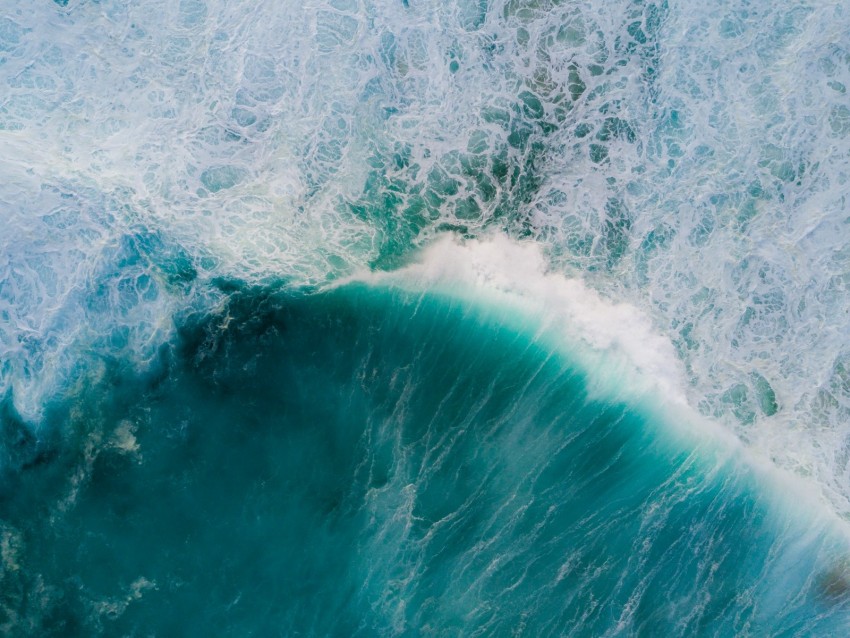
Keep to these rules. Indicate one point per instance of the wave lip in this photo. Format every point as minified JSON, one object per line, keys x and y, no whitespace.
{"x":627,"y":357}
{"x":519,"y":274}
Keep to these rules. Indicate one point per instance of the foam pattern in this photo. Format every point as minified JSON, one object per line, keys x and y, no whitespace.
{"x":689,"y":159}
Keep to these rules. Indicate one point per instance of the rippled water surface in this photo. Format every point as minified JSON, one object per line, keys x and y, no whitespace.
{"x":424,"y":318}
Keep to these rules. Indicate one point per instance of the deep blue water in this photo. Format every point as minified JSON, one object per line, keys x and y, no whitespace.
{"x":368,"y":462}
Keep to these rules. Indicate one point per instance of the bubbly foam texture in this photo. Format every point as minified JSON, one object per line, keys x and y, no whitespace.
{"x":691,"y":160}
{"x":616,"y":342}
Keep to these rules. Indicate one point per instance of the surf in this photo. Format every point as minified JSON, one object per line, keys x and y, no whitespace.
{"x":447,"y":284}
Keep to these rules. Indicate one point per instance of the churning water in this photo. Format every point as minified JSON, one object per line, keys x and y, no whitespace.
{"x":408,"y":318}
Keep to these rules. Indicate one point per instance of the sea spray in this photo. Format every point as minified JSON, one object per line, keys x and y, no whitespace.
{"x":671,"y":155}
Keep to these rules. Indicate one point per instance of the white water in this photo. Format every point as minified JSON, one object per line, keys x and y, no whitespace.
{"x":696,"y":169}
{"x":616,"y":340}
{"x":615,"y":343}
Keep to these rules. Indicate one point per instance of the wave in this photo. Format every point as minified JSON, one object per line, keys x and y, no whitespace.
{"x":652,"y":192}
{"x":373,"y":459}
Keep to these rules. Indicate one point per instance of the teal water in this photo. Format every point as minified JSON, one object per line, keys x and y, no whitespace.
{"x":371,"y":462}
{"x":594,"y":380}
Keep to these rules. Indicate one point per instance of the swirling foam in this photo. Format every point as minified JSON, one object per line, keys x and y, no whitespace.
{"x":691,"y":160}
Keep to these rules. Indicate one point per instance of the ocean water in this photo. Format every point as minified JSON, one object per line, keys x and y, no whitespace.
{"x":368,"y":461}
{"x":357,"y":318}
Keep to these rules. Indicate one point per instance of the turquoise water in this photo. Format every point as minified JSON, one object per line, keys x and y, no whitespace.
{"x":424,"y":317}
{"x":367,"y":462}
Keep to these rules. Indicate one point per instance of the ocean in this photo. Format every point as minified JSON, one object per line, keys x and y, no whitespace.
{"x":412,"y":318}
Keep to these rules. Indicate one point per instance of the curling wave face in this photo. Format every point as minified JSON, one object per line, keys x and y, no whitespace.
{"x":370,"y":461}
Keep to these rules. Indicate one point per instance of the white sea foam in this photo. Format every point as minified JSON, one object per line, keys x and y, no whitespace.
{"x":618,"y":344}
{"x":517,"y":274}
{"x":690,"y":160}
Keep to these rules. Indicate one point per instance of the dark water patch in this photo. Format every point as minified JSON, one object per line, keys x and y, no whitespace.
{"x":366,"y":462}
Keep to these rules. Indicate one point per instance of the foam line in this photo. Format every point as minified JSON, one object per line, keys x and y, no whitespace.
{"x":626,"y":356}
{"x":517,"y":273}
